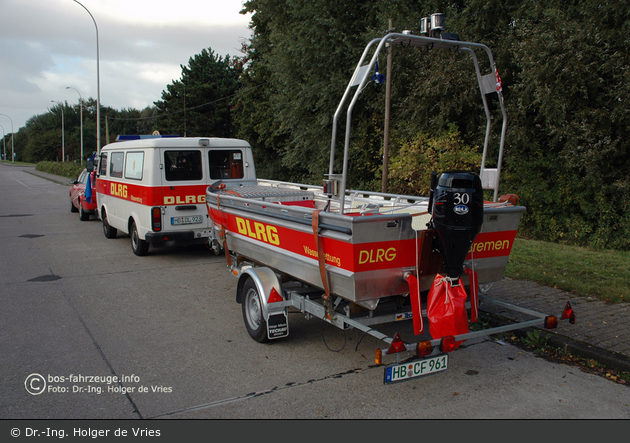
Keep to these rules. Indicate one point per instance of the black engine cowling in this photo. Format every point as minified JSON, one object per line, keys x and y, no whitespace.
{"x":457,"y":210}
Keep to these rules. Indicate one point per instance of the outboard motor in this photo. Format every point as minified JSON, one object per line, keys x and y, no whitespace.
{"x":457,"y":210}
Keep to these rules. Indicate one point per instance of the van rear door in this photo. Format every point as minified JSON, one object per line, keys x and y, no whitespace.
{"x":184,"y":183}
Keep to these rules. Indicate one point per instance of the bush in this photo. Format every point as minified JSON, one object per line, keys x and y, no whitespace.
{"x":64,"y":169}
{"x":410,"y":169}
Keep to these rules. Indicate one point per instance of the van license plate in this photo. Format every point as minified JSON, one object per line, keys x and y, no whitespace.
{"x":417,"y":368}
{"x":186,"y":220}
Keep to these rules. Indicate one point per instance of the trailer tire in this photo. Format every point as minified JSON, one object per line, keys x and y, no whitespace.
{"x":253,"y":312}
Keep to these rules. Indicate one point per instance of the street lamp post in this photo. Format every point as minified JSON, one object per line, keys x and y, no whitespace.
{"x":63,"y":141}
{"x":98,"y":86}
{"x":4,"y":142}
{"x":12,"y":138}
{"x":81,"y":114}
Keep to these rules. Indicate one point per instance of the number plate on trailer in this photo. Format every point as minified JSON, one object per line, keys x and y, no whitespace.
{"x":186,"y":220}
{"x":416,"y":368}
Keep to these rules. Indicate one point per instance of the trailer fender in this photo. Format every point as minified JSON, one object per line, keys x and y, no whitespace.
{"x":265,"y":280}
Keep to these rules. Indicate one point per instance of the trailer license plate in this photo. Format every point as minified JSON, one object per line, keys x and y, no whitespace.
{"x":186,"y":220}
{"x":417,"y":368}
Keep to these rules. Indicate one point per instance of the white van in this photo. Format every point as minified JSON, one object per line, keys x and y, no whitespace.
{"x":154,"y":189}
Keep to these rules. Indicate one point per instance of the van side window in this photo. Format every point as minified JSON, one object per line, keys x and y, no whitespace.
{"x":182,"y":165}
{"x":102,"y":164}
{"x":116,"y":165}
{"x":134,"y":165}
{"x":225,"y":164}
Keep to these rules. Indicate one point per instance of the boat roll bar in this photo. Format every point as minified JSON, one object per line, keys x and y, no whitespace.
{"x":488,"y":83}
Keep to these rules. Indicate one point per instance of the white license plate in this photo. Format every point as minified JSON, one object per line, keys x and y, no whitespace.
{"x":186,"y":220}
{"x":417,"y":368}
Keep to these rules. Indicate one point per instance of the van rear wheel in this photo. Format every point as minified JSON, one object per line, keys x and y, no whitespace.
{"x":108,"y":230}
{"x":138,"y":246}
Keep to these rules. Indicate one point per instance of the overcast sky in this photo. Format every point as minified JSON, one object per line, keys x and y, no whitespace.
{"x":49,"y":45}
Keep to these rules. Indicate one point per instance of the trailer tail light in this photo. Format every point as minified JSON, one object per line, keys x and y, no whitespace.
{"x":424,"y":348}
{"x":397,"y":345}
{"x":568,"y":313}
{"x":551,"y":322}
{"x":448,"y":344}
{"x":156,"y":219}
{"x":378,"y":356}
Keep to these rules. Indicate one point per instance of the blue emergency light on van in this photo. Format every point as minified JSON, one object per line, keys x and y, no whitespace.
{"x":122,"y":138}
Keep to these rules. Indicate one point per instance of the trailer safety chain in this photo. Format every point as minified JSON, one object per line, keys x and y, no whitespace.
{"x":328,"y":302}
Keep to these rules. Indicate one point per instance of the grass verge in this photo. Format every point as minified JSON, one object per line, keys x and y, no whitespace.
{"x":603,"y":274}
{"x":65,"y":169}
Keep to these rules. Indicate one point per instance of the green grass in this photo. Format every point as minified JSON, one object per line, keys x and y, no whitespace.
{"x":602,"y":274}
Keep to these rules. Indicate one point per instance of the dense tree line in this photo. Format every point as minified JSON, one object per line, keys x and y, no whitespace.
{"x":565,"y":71}
{"x":564,"y":66}
{"x":43,"y":139}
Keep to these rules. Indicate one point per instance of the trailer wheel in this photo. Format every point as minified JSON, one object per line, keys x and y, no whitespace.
{"x":138,"y":246}
{"x":252,"y":312}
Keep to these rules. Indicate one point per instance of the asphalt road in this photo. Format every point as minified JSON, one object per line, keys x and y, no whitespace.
{"x":79,"y":309}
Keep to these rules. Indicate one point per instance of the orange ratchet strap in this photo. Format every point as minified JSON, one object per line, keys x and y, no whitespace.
{"x":322,"y":264}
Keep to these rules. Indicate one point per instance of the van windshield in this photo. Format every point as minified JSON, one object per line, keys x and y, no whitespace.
{"x":182,"y":165}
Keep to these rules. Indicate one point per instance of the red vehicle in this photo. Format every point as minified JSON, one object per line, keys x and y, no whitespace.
{"x":84,"y":204}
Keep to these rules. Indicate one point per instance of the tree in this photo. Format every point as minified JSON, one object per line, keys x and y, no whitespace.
{"x":199,"y":103}
{"x":564,"y":65}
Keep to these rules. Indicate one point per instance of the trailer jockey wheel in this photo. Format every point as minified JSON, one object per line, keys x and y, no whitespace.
{"x":253,"y":313}
{"x":215,"y":246}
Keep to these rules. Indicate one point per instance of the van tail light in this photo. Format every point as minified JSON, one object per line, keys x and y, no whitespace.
{"x":156,"y":219}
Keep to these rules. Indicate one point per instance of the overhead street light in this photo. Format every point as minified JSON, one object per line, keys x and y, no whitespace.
{"x":12,"y":139}
{"x":98,"y":86}
{"x":81,"y":107}
{"x":63,"y":142}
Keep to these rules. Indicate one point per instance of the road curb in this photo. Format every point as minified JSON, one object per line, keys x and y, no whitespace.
{"x":610,"y":359}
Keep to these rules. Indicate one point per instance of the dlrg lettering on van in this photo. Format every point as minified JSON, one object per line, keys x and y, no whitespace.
{"x":154,"y":189}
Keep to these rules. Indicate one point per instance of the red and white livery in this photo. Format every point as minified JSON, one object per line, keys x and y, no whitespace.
{"x":154,"y":189}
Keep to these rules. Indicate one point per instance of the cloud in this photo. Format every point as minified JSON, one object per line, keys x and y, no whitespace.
{"x":47,"y":45}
